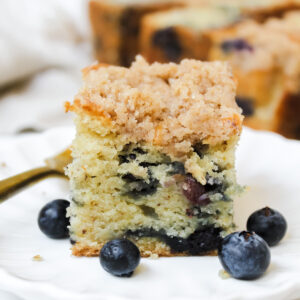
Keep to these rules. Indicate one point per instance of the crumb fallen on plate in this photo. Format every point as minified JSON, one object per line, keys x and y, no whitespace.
{"x":3,"y":164}
{"x":223,"y":274}
{"x":28,"y":130}
{"x":37,"y":258}
{"x":154,"y":256}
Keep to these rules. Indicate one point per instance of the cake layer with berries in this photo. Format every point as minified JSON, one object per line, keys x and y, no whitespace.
{"x":266,"y":61}
{"x":154,"y":157}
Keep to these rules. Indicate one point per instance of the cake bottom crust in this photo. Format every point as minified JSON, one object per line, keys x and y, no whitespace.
{"x":147,"y":246}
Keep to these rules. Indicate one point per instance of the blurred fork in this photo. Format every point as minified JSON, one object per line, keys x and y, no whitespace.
{"x":54,"y":166}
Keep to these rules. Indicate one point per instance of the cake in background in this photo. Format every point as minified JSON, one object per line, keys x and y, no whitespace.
{"x":260,"y":10}
{"x":290,"y":24}
{"x":266,"y":61}
{"x":116,"y":25}
{"x":180,"y":33}
{"x":172,"y":30}
{"x":154,"y":157}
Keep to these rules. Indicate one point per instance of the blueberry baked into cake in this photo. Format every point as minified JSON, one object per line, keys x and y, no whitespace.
{"x":154,"y":157}
{"x":266,"y":61}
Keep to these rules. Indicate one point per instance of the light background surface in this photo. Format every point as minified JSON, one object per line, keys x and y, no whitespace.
{"x":43,"y":47}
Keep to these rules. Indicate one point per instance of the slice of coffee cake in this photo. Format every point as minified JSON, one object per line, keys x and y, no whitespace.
{"x":154,"y":157}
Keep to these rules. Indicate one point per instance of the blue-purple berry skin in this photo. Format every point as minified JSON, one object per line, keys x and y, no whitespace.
{"x":268,"y":224}
{"x":228,"y":46}
{"x":244,"y":255}
{"x":120,"y":257}
{"x":52,"y":219}
{"x":194,"y":191}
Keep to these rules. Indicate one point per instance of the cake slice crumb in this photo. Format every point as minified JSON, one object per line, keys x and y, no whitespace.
{"x":37,"y":258}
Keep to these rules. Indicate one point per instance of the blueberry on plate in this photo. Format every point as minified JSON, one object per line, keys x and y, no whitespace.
{"x":52,"y":219}
{"x":244,"y":255}
{"x":120,"y":257}
{"x":269,"y":224}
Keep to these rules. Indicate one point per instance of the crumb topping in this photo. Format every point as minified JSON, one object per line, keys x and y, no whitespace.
{"x":37,"y":258}
{"x":169,"y":105}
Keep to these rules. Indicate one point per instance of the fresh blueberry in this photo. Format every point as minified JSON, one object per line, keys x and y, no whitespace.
{"x":120,"y":257}
{"x":269,"y":224}
{"x":244,"y":255}
{"x":53,"y":221}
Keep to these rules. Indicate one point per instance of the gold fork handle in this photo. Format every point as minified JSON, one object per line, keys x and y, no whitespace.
{"x":14,"y":184}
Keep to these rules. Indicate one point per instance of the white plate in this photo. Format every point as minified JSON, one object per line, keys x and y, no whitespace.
{"x":268,"y":163}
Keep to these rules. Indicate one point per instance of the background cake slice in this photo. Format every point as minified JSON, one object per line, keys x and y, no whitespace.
{"x":154,"y":157}
{"x":116,"y":25}
{"x":180,"y":33}
{"x":260,"y":10}
{"x":266,"y":61}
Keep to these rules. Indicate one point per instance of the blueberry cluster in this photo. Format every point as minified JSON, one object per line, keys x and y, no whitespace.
{"x":136,"y":187}
{"x":195,"y":192}
{"x":246,"y":254}
{"x":199,"y":194}
{"x":200,"y":242}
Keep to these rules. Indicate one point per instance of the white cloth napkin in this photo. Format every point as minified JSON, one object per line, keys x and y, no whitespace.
{"x":43,"y":44}
{"x":36,"y":34}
